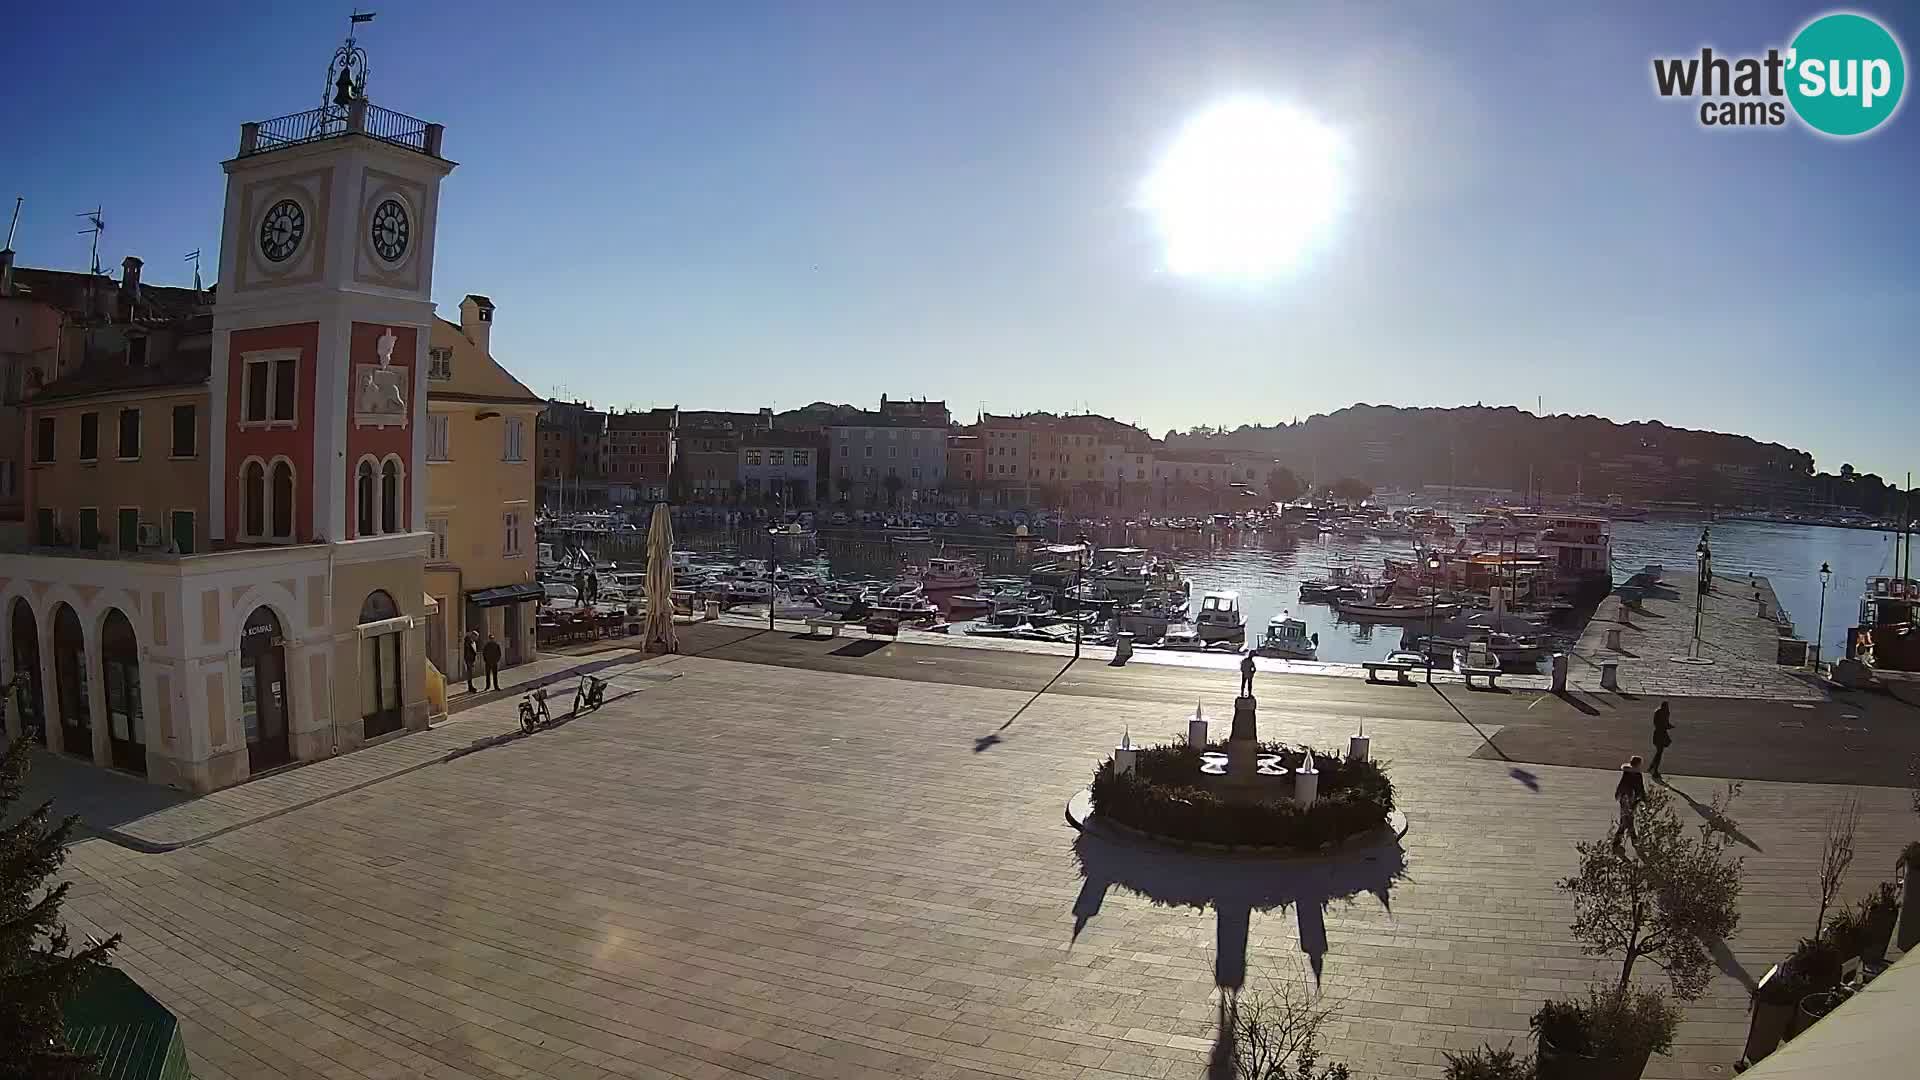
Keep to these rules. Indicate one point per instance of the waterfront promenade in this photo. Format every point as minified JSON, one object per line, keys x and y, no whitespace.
{"x":811,"y":858}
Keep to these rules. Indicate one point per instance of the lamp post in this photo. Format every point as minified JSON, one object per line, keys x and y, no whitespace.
{"x":1079,"y":579}
{"x":1820,"y":633}
{"x":1433,"y":599}
{"x":1704,"y":559}
{"x":772,"y":563}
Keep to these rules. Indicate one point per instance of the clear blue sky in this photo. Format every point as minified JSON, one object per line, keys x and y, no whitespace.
{"x":724,"y":205}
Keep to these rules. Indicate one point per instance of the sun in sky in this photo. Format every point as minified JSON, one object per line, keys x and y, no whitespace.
{"x":1246,"y":190}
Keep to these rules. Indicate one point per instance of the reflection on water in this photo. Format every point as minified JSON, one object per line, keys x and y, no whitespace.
{"x":1266,"y":569}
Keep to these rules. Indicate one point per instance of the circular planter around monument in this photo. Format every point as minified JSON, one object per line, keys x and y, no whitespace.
{"x":1556,"y":1064}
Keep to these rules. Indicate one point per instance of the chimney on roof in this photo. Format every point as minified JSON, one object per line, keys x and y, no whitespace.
{"x":129,"y":284}
{"x":766,"y":419}
{"x":6,"y":271}
{"x":476,"y":322}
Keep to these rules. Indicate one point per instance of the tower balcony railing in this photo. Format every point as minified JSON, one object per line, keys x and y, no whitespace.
{"x":334,"y":121}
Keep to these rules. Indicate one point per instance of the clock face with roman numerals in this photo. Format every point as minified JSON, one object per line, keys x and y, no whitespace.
{"x":390,"y":230}
{"x":282,"y":229}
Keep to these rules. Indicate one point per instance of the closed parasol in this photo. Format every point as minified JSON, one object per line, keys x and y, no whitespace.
{"x":660,"y":582}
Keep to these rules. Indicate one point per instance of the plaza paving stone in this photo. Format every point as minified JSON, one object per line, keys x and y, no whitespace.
{"x":758,"y":870}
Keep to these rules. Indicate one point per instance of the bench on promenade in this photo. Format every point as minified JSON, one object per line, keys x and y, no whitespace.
{"x":1374,"y":667}
{"x":1487,"y":673}
{"x":831,"y":626}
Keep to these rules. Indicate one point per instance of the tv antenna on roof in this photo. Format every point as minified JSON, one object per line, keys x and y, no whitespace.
{"x":194,"y":258}
{"x":96,"y":226}
{"x":17,"y":200}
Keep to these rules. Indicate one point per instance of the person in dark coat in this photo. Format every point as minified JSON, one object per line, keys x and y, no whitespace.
{"x":470,"y":653}
{"x":1246,"y":675}
{"x":1662,"y":738}
{"x":492,"y":656}
{"x":1630,"y":792}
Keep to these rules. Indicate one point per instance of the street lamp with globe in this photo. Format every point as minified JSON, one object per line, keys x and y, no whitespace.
{"x":1820,"y":633}
{"x":1079,"y":580}
{"x":1433,"y":599}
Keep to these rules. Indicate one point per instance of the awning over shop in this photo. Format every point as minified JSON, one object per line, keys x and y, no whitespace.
{"x":505,"y":594}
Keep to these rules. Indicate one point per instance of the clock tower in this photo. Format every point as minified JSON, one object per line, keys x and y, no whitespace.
{"x":321,"y":322}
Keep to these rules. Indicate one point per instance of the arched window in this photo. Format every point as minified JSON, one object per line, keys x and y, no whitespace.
{"x":364,"y":499}
{"x":390,"y":497}
{"x":253,"y":500}
{"x":282,"y":501}
{"x":378,"y":606}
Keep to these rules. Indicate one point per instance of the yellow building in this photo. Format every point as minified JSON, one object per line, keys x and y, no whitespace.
{"x":480,"y":482}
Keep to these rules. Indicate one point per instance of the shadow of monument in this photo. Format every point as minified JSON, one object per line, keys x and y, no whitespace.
{"x":1235,"y":888}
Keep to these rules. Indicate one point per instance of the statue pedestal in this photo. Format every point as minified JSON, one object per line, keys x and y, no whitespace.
{"x":1244,"y":725}
{"x":1243,"y":754}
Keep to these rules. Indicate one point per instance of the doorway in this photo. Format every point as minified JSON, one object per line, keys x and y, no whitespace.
{"x":26,"y":664}
{"x":379,"y":666}
{"x":70,"y":675}
{"x":120,"y":663}
{"x":516,"y":635}
{"x":263,"y":691}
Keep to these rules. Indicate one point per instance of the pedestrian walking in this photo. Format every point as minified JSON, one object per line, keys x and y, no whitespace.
{"x":1662,"y":738}
{"x":1630,"y":792}
{"x":492,"y":656}
{"x":470,"y":653}
{"x":1246,"y":675}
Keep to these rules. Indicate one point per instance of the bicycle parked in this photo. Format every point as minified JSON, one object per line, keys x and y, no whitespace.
{"x":533,"y":712}
{"x":589,"y":694}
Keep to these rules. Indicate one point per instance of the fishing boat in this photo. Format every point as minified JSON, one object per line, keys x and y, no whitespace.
{"x":1343,"y":581}
{"x":948,"y":574}
{"x":1287,"y":639}
{"x":1394,"y":612}
{"x":1220,"y":617}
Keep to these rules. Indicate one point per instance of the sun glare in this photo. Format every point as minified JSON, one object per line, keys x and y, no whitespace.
{"x":1246,"y":190}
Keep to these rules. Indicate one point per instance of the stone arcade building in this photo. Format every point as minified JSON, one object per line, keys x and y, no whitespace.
{"x":198,"y":633}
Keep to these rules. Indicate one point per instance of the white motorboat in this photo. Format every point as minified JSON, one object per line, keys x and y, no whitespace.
{"x":1220,"y":617}
{"x":1287,"y":639}
{"x":968,"y":607}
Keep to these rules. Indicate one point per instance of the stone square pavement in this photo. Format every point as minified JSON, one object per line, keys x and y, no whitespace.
{"x":763,"y":871}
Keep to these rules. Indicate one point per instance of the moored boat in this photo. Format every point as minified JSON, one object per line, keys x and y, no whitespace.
{"x":1287,"y":639}
{"x":1220,"y":617}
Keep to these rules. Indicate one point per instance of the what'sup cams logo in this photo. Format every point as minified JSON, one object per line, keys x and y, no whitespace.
{"x":1843,"y":75}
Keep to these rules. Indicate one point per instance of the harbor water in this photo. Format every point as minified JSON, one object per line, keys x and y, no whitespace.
{"x":1267,"y":568}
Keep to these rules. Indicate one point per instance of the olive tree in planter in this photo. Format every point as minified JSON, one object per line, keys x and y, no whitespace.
{"x":1660,"y":902}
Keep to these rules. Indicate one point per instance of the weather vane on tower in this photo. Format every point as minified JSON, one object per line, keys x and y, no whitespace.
{"x":347,"y":73}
